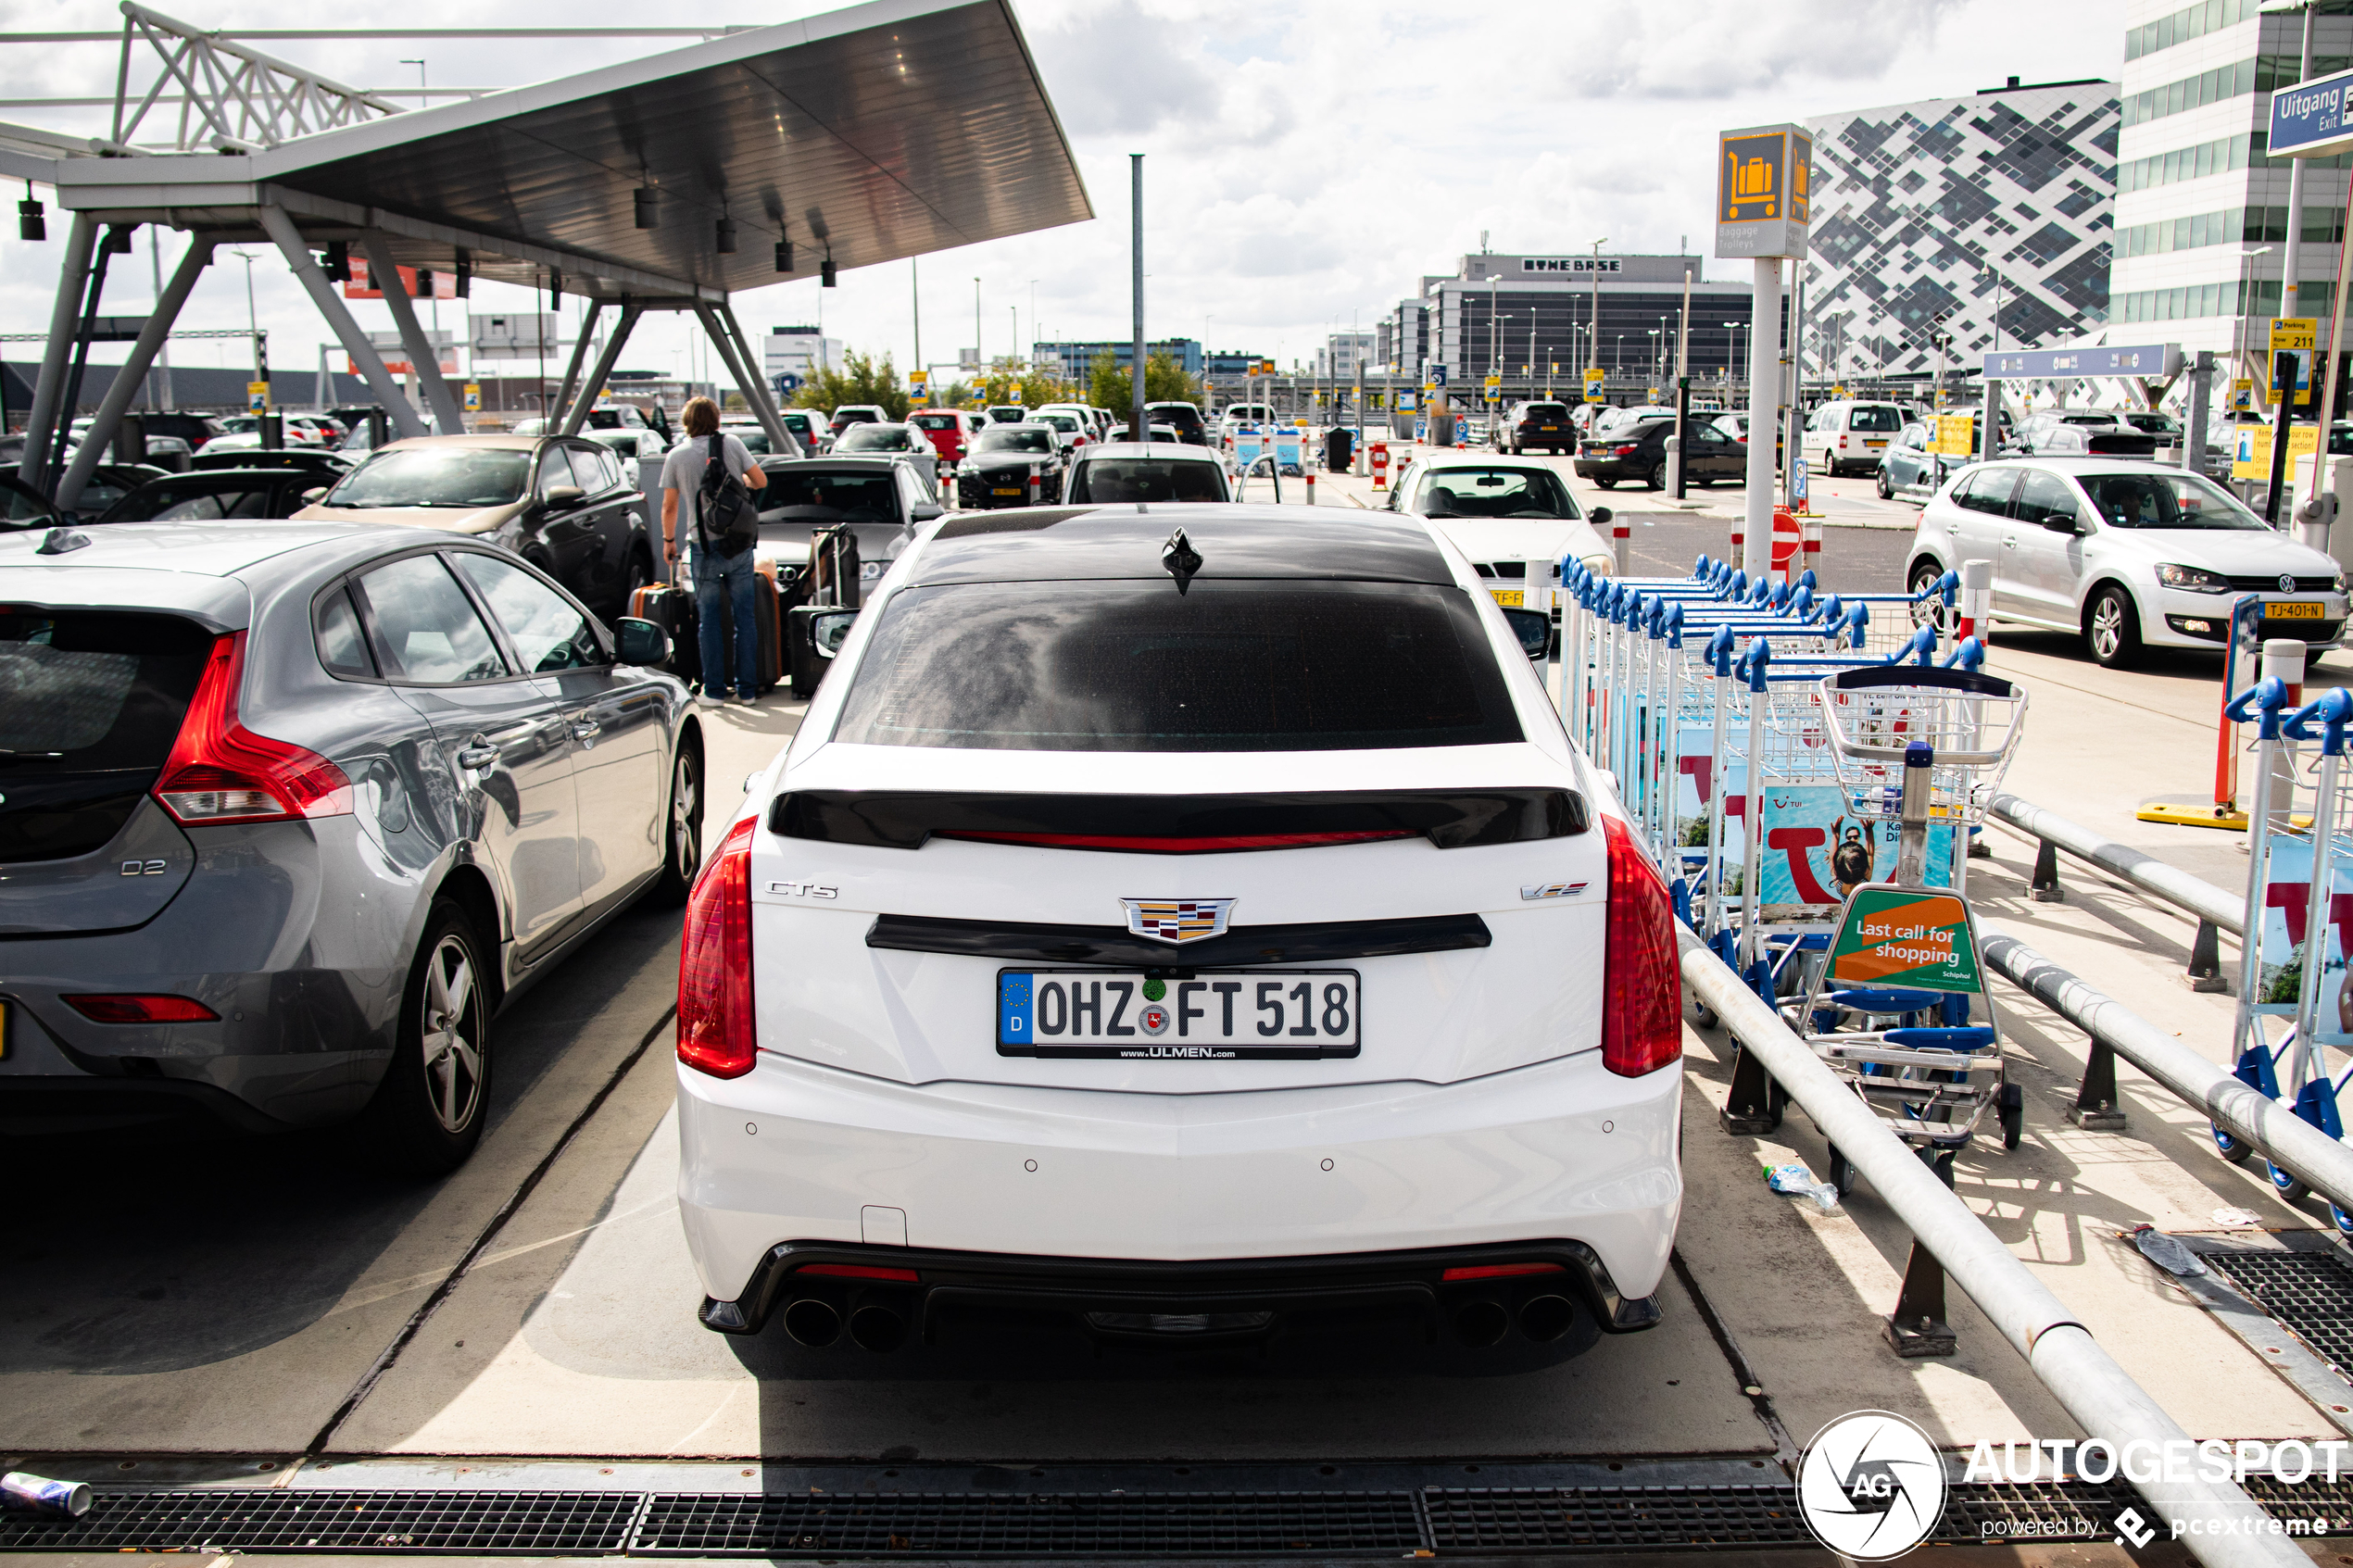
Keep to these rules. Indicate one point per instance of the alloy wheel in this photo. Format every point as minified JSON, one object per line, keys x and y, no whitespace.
{"x":686,"y":817}
{"x":2107,"y":628}
{"x":451,"y":1013}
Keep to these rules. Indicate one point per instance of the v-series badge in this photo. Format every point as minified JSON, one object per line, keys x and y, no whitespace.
{"x":1552,"y":890}
{"x":812,"y":890}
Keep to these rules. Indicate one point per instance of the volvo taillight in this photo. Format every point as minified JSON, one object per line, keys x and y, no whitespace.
{"x":219,"y":772}
{"x":716,"y":1032}
{"x":1642,"y":999}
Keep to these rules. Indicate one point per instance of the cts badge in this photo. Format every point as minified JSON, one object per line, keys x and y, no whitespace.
{"x":804,"y":890}
{"x":1552,"y":890}
{"x":1177,"y":920}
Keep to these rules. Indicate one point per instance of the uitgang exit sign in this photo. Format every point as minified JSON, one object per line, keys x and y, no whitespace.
{"x":2310,"y":119}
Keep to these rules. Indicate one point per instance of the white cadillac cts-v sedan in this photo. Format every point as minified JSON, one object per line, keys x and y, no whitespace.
{"x":1193,"y":922}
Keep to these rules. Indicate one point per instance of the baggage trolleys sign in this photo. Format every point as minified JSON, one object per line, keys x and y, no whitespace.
{"x":1911,"y":937}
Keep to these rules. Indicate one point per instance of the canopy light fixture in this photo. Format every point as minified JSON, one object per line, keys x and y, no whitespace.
{"x":826,"y":273}
{"x":649,"y":206}
{"x":784,"y":256}
{"x":338,"y":267}
{"x":464,"y":285}
{"x":31,"y":224}
{"x":727,"y":236}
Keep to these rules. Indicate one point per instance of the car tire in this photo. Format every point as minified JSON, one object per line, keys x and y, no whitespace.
{"x":1657,"y":480}
{"x":426,"y":1115}
{"x":682,"y":832}
{"x":640,"y":573}
{"x":2113,"y":628}
{"x":1924,"y":574}
{"x":1886,"y":491}
{"x":1606,"y":483}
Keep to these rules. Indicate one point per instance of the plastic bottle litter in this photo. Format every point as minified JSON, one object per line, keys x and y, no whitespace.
{"x":38,"y":1494}
{"x":2165,"y":1251}
{"x":2237,"y":1218}
{"x":1796,"y":1179}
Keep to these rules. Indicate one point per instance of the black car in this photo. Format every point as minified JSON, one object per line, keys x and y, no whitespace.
{"x":327,"y":466}
{"x":1017,"y":465}
{"x":1182,"y":417}
{"x":1638,"y":452}
{"x":882,"y":499}
{"x":212,"y":495}
{"x":109,"y":483}
{"x":1537,"y":424}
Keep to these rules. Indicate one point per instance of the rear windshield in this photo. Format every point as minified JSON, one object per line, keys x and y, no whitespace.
{"x":797,"y":495}
{"x":1146,"y":480}
{"x":1010,"y":438}
{"x":876,"y":438}
{"x":1229,"y":666}
{"x":1497,"y":492}
{"x":436,"y":476}
{"x":1184,"y":416}
{"x":90,"y":704}
{"x":1876,"y":419}
{"x":195,"y":500}
{"x":937,"y":421}
{"x":1545,"y":411}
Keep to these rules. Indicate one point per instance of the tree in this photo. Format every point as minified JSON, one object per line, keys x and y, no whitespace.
{"x":1165,"y":382}
{"x":1029,"y":385}
{"x":859,"y":379}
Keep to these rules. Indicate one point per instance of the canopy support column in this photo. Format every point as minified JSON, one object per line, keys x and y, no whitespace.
{"x":553,"y":415}
{"x":65,"y":315}
{"x":129,"y":379}
{"x":719,"y":322}
{"x":305,"y":266}
{"x":577,"y":414}
{"x":421,"y":354}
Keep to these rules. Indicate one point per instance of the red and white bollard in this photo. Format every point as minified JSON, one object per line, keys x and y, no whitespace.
{"x":1810,"y":558}
{"x":1622,"y":537}
{"x":1976,"y":618}
{"x":1037,"y":486}
{"x":1311,"y":486}
{"x":1380,"y":465}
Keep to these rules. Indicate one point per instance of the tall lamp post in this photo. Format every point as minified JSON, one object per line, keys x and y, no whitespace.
{"x":1733,"y":363}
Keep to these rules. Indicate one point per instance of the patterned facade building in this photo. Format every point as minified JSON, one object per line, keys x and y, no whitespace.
{"x":1929,"y":218}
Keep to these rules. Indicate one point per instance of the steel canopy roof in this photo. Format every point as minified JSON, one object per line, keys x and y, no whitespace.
{"x":881,"y":130}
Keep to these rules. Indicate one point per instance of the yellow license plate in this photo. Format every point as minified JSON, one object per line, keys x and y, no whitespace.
{"x":1549,"y":429}
{"x":1510,"y":599}
{"x":2300,"y":611}
{"x":1874,"y":443}
{"x":1001,"y":490}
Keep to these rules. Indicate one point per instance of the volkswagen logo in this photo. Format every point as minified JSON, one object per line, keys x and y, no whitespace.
{"x":1871,"y":1485}
{"x":2287,"y":584}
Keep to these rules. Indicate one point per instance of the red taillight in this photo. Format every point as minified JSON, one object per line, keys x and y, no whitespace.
{"x":716,"y":1032}
{"x":1145,"y":846}
{"x":219,"y":772}
{"x":1626,"y":451}
{"x":1642,"y":996}
{"x":859,"y":1271}
{"x":1499,"y":1270}
{"x":141,"y":1009}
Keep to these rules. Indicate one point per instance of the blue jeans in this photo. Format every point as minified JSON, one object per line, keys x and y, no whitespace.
{"x":733,"y":576}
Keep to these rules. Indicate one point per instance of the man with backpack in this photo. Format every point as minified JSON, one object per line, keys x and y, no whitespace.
{"x":725,"y":528}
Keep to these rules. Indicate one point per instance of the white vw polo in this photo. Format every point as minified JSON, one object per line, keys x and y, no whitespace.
{"x":1187,"y":921}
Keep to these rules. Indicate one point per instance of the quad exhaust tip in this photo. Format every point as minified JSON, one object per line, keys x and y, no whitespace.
{"x":1546,"y":1317}
{"x":813,"y":1322}
{"x":1481,"y":1323}
{"x":877,"y":1328}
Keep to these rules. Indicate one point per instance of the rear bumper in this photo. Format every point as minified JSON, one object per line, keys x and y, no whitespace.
{"x":1120,"y":1297}
{"x":795,"y":1154}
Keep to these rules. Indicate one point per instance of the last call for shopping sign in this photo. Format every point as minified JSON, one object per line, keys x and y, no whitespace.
{"x":1905,"y":936}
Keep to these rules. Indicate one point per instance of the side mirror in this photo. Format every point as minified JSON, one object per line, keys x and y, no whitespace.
{"x":565,"y":494}
{"x":924,"y":511}
{"x":312,"y":496}
{"x":828,"y":631}
{"x":1534,"y":629}
{"x":2063,"y":522}
{"x":1599,"y":516}
{"x":640,"y":642}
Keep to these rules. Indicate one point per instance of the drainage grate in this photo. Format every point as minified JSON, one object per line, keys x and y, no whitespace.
{"x":2310,"y":1293}
{"x":1612,"y":1518}
{"x":578,"y":1523}
{"x":981,"y":1523}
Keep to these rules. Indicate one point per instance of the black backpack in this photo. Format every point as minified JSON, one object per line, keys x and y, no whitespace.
{"x":729,"y":518}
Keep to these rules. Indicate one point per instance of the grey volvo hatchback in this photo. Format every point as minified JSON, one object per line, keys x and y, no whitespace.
{"x":289,"y":810}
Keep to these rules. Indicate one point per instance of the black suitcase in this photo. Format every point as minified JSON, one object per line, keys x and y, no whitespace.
{"x":834,"y":571}
{"x":672,"y":610}
{"x":768,"y":666}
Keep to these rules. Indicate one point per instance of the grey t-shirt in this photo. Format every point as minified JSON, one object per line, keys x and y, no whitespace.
{"x":682,"y":470}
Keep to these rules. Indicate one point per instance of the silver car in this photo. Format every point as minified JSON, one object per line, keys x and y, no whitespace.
{"x":289,"y":810}
{"x":904,"y":442}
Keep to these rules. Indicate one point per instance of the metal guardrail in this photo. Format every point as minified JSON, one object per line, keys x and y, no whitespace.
{"x":2226,"y":1525}
{"x":2272,"y":1127}
{"x":2214,"y":909}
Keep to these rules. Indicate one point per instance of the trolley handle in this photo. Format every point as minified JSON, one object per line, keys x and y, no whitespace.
{"x":1719,"y":652}
{"x":2270,"y":695}
{"x":1920,"y":648}
{"x":1752,"y":663}
{"x":2333,"y":711}
{"x":1970,"y":655}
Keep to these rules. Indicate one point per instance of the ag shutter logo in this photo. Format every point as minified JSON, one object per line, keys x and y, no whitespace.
{"x":1871,"y":1485}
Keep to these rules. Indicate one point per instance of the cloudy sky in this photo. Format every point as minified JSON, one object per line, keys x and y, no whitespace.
{"x":1304,"y":169}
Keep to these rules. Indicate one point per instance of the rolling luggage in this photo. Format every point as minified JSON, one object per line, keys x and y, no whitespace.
{"x":672,"y":609}
{"x":832,"y":568}
{"x":768,"y":665}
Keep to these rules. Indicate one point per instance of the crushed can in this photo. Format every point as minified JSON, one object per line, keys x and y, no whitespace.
{"x":38,"y":1494}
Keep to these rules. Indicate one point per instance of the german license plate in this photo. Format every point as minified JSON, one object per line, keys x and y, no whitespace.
{"x":1511,"y":598}
{"x":2303,"y":609}
{"x":1006,"y":489}
{"x":1221,"y":1015}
